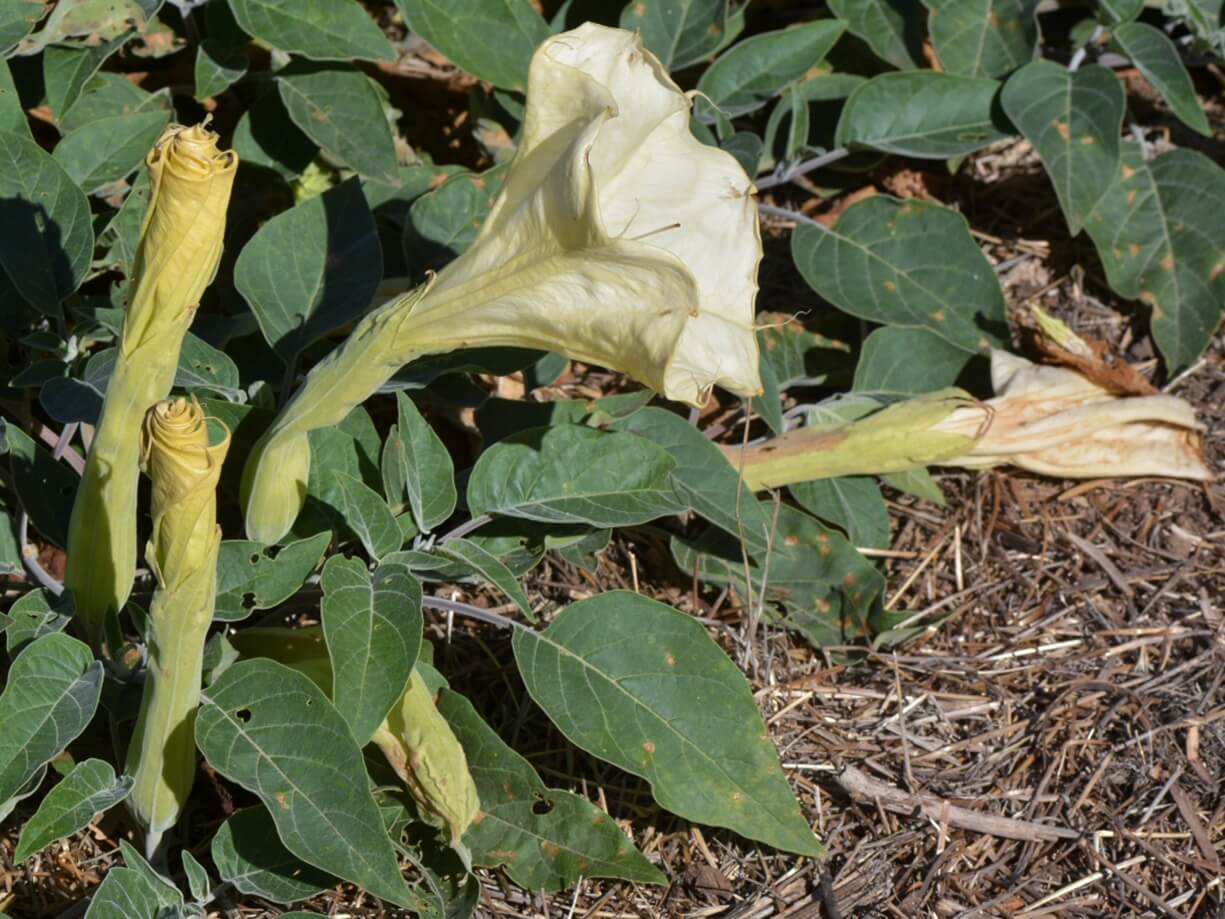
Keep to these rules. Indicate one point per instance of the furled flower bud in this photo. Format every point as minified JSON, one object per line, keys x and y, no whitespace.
{"x":180,"y":246}
{"x":618,"y":239}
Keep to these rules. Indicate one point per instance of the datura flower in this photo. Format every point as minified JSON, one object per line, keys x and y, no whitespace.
{"x":182,"y":553}
{"x":617,"y":239}
{"x":1049,"y":420}
{"x":179,"y":248}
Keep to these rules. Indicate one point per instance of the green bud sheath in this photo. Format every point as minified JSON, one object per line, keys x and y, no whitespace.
{"x":179,"y":248}
{"x":182,"y":552}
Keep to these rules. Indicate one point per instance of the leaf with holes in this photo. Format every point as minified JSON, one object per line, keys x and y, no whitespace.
{"x":1073,"y":121}
{"x":326,"y":30}
{"x":546,"y":838}
{"x":251,"y":576}
{"x":905,"y":263}
{"x":36,"y":614}
{"x":84,"y":793}
{"x":983,"y":38}
{"x":275,"y":733}
{"x":673,"y":709}
{"x":893,"y":29}
{"x":1156,"y":57}
{"x":372,"y":625}
{"x":1159,"y":234}
{"x":924,"y":114}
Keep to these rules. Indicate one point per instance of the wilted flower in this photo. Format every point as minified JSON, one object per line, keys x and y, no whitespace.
{"x":179,"y":248}
{"x":182,"y":552}
{"x":617,"y":239}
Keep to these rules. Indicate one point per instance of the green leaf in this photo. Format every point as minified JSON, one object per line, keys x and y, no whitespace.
{"x":444,"y":222}
{"x":907,"y":263}
{"x":1156,"y":57}
{"x":702,"y":477}
{"x":853,"y":504}
{"x":1116,"y":11}
{"x":250,"y":579}
{"x":917,"y":482}
{"x":198,"y":884}
{"x":755,"y":70}
{"x":12,"y":115}
{"x":545,"y":837}
{"x":249,"y":854}
{"x":46,"y":488}
{"x":1073,"y":121}
{"x":203,"y":367}
{"x":472,"y":555}
{"x":122,"y":234}
{"x":50,"y":697}
{"x":373,"y":631}
{"x":898,"y":360}
{"x":672,"y":709}
{"x":338,"y":107}
{"x":983,"y":38}
{"x":275,"y":733}
{"x":34,"y":615}
{"x":416,"y":463}
{"x":678,"y":32}
{"x":67,"y":70}
{"x":109,"y":95}
{"x":218,"y":68}
{"x":17,"y":18}
{"x":312,"y":268}
{"x":797,"y":355}
{"x":88,"y":790}
{"x":924,"y":114}
{"x":46,"y":234}
{"x":134,"y":892}
{"x":334,"y":450}
{"x":574,"y":474}
{"x":893,"y":29}
{"x":325,"y":30}
{"x":10,"y":551}
{"x":491,"y":39}
{"x":1159,"y":234}
{"x":108,"y":149}
{"x":828,"y":590}
{"x":268,"y":139}
{"x":368,"y":515}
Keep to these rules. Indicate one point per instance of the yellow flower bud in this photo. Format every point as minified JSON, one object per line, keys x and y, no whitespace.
{"x":179,"y":249}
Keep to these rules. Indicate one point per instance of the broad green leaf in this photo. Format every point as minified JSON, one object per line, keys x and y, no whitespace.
{"x":268,"y":139}
{"x":198,"y":884}
{"x":338,"y":107}
{"x":88,"y":790}
{"x":901,"y":360}
{"x":46,"y":233}
{"x":109,"y":95}
{"x":472,"y":555}
{"x":17,"y":18}
{"x":218,"y":68}
{"x":34,"y":615}
{"x":368,"y":515}
{"x":1156,"y":57}
{"x":747,"y":148}
{"x":853,"y":504}
{"x":908,"y":263}
{"x":372,"y":626}
{"x":12,"y":115}
{"x":108,"y":149}
{"x":336,"y":450}
{"x":983,"y":38}
{"x":1115,"y":11}
{"x":893,"y":29}
{"x":272,"y":731}
{"x":584,"y":552}
{"x":798,"y":355}
{"x":203,"y":367}
{"x":703,"y":477}
{"x":416,"y":464}
{"x":250,"y":579}
{"x":1073,"y":121}
{"x":325,"y":30}
{"x":67,"y":70}
{"x":136,"y":891}
{"x":249,"y":854}
{"x":917,"y":482}
{"x":491,"y":39}
{"x":574,"y":474}
{"x":50,"y":697}
{"x":924,"y":114}
{"x":755,"y":70}
{"x":444,"y":222}
{"x":678,"y":32}
{"x":311,"y":269}
{"x":545,"y":838}
{"x":672,"y":709}
{"x":46,"y":488}
{"x":1159,"y":234}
